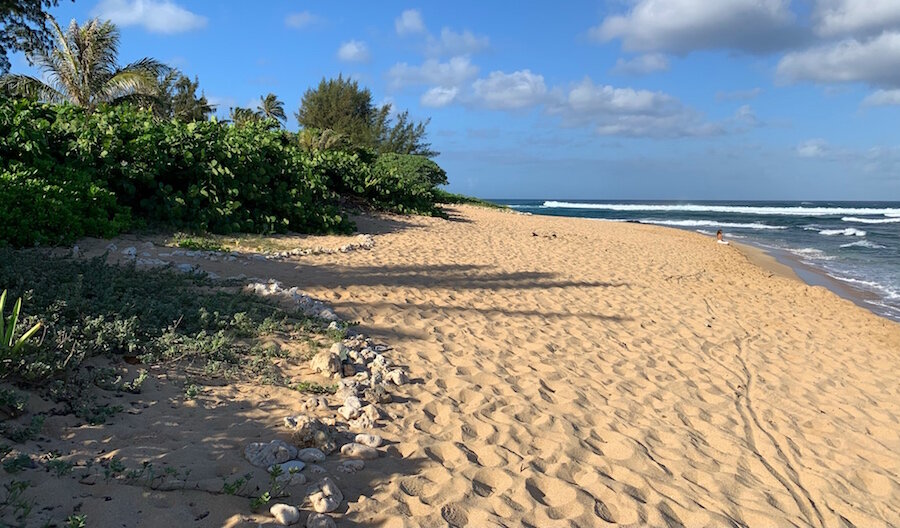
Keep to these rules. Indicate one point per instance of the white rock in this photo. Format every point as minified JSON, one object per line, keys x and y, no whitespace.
{"x":325,"y":496}
{"x":311,"y":455}
{"x":361,"y":423}
{"x":315,"y":469}
{"x":368,"y":440}
{"x":295,"y":465}
{"x":398,"y":376}
{"x":111,"y":247}
{"x":333,"y":325}
{"x":320,"y":520}
{"x":75,"y":251}
{"x":185,"y":268}
{"x":285,"y":514}
{"x":326,"y":362}
{"x":130,"y":252}
{"x":349,"y":413}
{"x":354,"y":450}
{"x":341,"y":350}
{"x":315,"y":403}
{"x":351,"y":466}
{"x":352,"y":402}
{"x":262,"y":454}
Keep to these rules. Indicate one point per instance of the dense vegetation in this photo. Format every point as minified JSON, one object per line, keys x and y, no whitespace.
{"x":66,"y":172}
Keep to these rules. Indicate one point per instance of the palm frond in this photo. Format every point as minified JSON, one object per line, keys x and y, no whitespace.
{"x":30,"y":87}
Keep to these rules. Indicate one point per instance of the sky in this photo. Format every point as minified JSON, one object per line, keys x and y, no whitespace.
{"x":616,"y":99}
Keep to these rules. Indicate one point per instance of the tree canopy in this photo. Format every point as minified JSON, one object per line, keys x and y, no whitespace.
{"x":23,"y":27}
{"x":178,"y":99}
{"x":342,"y":106}
{"x":80,"y":67}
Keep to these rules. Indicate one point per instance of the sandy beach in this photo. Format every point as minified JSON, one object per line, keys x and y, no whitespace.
{"x":565,"y":372}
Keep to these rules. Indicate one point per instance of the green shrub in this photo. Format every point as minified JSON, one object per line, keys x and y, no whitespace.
{"x":405,"y":183}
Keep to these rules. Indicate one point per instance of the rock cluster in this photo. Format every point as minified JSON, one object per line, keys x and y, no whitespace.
{"x":362,"y":242}
{"x":293,"y":299}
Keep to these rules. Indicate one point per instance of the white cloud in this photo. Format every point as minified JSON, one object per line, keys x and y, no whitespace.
{"x":872,"y":62}
{"x":642,"y":65}
{"x":883,"y":98}
{"x":452,"y":43}
{"x":628,"y":112}
{"x":301,"y":20}
{"x":682,"y":26}
{"x":409,"y":22}
{"x":855,"y":17}
{"x":157,"y":16}
{"x":439,"y":96}
{"x":452,"y":73}
{"x":353,"y":51}
{"x":746,"y":116}
{"x":510,"y":91}
{"x":813,"y":148}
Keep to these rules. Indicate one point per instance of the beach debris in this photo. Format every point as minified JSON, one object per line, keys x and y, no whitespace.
{"x":285,"y":514}
{"x":262,"y":454}
{"x":351,"y":466}
{"x":325,"y":496}
{"x":307,"y":431}
{"x":368,"y":440}
{"x":320,"y":520}
{"x":355,"y":450}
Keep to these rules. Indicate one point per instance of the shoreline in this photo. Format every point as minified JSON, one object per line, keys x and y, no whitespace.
{"x":785,"y":264}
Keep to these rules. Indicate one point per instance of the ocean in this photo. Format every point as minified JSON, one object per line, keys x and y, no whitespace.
{"x":855,"y":246}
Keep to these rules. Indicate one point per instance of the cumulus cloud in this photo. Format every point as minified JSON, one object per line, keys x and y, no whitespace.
{"x":813,"y":148}
{"x":409,"y":22}
{"x":452,"y":73}
{"x":873,"y":61}
{"x":883,"y":98}
{"x":642,"y":65}
{"x":453,"y":43}
{"x":439,"y":96}
{"x":855,"y":17}
{"x":510,"y":91}
{"x":301,"y":20}
{"x":156,"y":16}
{"x":746,"y":116}
{"x":683,"y":26}
{"x":628,"y":112}
{"x":353,"y":51}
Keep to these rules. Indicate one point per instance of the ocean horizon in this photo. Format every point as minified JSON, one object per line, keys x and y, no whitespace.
{"x":854,"y":244}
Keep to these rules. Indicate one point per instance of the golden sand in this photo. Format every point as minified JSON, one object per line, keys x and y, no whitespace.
{"x":566,"y":372}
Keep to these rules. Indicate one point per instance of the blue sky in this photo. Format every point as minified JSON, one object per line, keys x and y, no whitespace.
{"x":642,"y":99}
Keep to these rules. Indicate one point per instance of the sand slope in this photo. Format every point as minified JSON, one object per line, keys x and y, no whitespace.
{"x":618,"y":374}
{"x":567,"y":373}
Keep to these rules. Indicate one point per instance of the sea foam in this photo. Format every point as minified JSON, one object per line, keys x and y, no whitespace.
{"x":709,"y":223}
{"x":871,"y":220}
{"x":863,"y":244}
{"x":850,"y":231}
{"x":740,"y":209}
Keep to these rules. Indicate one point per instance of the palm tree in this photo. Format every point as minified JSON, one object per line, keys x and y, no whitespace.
{"x":81,"y":68}
{"x":271,"y":108}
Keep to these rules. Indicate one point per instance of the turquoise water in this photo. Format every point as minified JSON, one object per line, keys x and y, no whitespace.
{"x":855,"y":243}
